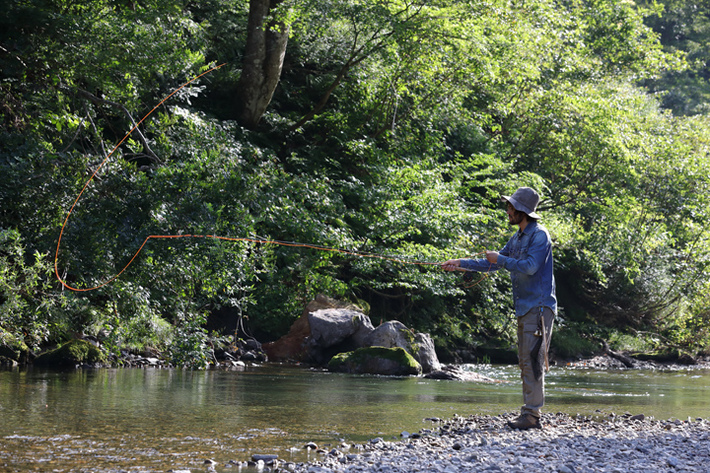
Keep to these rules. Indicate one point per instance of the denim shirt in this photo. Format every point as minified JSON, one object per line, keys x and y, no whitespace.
{"x":528,"y":257}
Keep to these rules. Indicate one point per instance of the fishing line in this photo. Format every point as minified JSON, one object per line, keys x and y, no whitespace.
{"x":71,"y":209}
{"x":208,"y":236}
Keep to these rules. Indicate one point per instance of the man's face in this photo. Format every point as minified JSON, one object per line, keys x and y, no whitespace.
{"x":514,"y":216}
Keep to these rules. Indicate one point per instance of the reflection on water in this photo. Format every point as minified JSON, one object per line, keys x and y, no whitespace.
{"x":155,"y":420}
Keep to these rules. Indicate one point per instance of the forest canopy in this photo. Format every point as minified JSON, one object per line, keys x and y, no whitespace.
{"x":379,"y":127}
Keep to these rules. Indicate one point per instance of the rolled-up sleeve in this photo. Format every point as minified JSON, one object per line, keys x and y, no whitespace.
{"x":483,"y":265}
{"x":479,"y":265}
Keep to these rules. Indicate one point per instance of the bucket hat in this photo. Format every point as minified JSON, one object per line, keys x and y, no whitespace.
{"x":524,"y":200}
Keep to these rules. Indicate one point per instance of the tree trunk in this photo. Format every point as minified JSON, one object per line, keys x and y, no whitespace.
{"x":263,"y":60}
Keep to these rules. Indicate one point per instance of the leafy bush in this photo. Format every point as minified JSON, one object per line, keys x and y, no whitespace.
{"x":30,"y":311}
{"x":190,"y":345}
{"x":573,"y":340}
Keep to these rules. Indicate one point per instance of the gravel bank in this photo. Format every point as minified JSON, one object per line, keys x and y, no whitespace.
{"x":565,"y":444}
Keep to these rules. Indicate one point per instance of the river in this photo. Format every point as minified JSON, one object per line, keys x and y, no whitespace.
{"x":141,"y":420}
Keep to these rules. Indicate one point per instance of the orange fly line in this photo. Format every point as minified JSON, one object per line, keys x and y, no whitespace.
{"x":207,"y":236}
{"x":149,"y":237}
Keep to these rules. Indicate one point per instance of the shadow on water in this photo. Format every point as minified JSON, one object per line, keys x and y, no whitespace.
{"x":155,"y":420}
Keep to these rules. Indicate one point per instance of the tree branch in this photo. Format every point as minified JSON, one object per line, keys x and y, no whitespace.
{"x":98,"y":100}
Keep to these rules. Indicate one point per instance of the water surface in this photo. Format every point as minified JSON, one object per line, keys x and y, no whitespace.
{"x":155,"y":420}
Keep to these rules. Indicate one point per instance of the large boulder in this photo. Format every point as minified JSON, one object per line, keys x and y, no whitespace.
{"x":292,"y":346}
{"x":425,"y":352}
{"x":376,"y":360}
{"x":395,"y":334}
{"x":325,"y":328}
{"x":335,"y":331}
{"x":328,"y":327}
{"x":333,"y":326}
{"x":390,"y":335}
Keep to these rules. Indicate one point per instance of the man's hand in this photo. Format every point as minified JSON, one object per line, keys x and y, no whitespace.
{"x":492,"y":256}
{"x":451,"y":265}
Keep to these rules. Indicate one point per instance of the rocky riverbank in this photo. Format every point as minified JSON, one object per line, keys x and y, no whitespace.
{"x":565,"y":444}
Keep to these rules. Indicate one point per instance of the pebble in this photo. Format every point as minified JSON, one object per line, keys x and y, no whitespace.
{"x":565,"y":444}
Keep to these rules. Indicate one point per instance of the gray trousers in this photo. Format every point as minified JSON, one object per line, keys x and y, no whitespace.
{"x":528,"y":335}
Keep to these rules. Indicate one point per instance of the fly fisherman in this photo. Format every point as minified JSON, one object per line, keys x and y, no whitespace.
{"x":528,"y":257}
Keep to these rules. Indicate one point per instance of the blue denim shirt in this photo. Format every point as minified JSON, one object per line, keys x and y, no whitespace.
{"x":528,"y":257}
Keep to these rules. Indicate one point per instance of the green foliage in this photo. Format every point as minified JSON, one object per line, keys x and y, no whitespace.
{"x":129,"y":321}
{"x":682,"y":28}
{"x":572,"y":340}
{"x":190,"y":346}
{"x":393,"y":132}
{"x":28,"y":306}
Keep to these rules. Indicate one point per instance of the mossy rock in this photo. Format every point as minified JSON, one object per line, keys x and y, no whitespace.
{"x":376,"y":360}
{"x":70,"y":354}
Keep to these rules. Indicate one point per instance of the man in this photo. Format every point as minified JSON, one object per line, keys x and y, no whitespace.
{"x":528,"y":257}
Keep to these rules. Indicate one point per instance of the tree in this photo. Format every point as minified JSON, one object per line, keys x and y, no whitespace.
{"x":683,"y":27}
{"x":267,"y":37}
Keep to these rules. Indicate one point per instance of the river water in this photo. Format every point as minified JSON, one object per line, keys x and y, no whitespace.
{"x":141,"y":420}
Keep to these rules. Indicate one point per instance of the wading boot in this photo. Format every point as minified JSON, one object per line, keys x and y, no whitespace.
{"x":525,"y":422}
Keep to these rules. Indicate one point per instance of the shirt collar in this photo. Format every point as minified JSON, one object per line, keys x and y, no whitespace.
{"x":529,"y":228}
